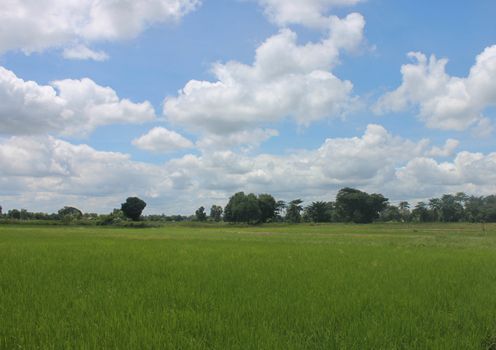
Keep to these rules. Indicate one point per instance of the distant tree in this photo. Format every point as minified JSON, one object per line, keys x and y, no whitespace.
{"x":404,"y":210}
{"x":133,"y":207}
{"x":421,"y":212}
{"x":353,"y":205}
{"x":216,"y":213}
{"x":14,"y":214}
{"x":200,"y":214}
{"x":293,"y":212}
{"x":280,"y":207}
{"x":391,"y":213}
{"x":451,"y":209}
{"x":435,"y":205}
{"x":0,"y":210}
{"x":268,"y":206}
{"x":319,"y":212}
{"x":71,"y":211}
{"x":242,"y":208}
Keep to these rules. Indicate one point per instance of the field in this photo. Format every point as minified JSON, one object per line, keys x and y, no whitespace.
{"x":380,"y":286}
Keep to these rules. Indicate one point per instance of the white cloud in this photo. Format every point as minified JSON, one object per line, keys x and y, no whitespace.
{"x":82,"y":52}
{"x":47,"y":173}
{"x":286,"y":79}
{"x":310,"y":13}
{"x":447,"y":150}
{"x":33,"y":26}
{"x":445,"y":102}
{"x":247,"y":139}
{"x":162,"y":140}
{"x":468,"y":172}
{"x":69,"y":107}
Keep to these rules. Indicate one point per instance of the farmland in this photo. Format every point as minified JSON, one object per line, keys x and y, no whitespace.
{"x":393,"y":286}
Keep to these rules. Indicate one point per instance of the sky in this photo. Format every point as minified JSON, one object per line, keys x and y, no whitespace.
{"x":185,"y":102}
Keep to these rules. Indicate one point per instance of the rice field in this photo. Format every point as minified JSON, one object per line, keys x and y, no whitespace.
{"x":379,"y":286}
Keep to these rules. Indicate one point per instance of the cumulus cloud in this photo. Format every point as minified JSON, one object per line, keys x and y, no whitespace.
{"x":44,"y":172}
{"x":247,"y":139}
{"x":445,"y":102}
{"x":69,"y":107}
{"x":162,"y":140}
{"x":286,"y":79}
{"x":82,"y":52}
{"x":33,"y":26}
{"x":445,"y":151}
{"x":468,"y":172}
{"x":310,"y":13}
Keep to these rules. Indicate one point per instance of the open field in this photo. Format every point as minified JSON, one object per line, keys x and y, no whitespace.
{"x":388,"y":286}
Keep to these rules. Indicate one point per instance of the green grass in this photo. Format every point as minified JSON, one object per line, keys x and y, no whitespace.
{"x":385,"y":286}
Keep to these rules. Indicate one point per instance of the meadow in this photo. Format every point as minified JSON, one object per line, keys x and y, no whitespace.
{"x":335,"y":286}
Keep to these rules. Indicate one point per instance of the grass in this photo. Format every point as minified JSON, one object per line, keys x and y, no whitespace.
{"x":381,"y":286}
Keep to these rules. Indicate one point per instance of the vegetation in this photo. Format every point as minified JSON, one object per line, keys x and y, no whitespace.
{"x":379,"y":286}
{"x":350,"y":205}
{"x":133,"y":207}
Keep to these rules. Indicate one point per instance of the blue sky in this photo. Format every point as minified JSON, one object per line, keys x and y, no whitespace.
{"x":407,"y":136}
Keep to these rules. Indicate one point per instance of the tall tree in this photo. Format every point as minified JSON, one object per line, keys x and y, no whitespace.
{"x":200,"y":214}
{"x":216,"y":213}
{"x":353,"y":205}
{"x":293,"y":213}
{"x":242,"y":208}
{"x":318,"y":212}
{"x":267,"y":205}
{"x":133,"y":207}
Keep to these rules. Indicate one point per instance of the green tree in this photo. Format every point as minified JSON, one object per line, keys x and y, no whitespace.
{"x":14,"y":214}
{"x":353,"y":205}
{"x":268,"y":206}
{"x":404,"y":210}
{"x":319,"y":212}
{"x":293,"y":212}
{"x":133,"y":207}
{"x":216,"y":213}
{"x":70,"y":211}
{"x":242,"y":208}
{"x":200,"y":214}
{"x":421,"y":212}
{"x":391,"y":213}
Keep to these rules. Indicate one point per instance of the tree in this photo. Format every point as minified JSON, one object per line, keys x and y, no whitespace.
{"x":280,"y":207}
{"x":70,"y":211}
{"x":14,"y":214}
{"x":0,"y":210}
{"x":391,"y":213}
{"x":242,"y":208}
{"x":216,"y":213}
{"x":404,"y":210}
{"x":293,"y":213}
{"x":200,"y":214}
{"x":133,"y":207}
{"x":353,"y":205}
{"x":319,"y":212}
{"x":421,"y":212}
{"x":268,"y":206}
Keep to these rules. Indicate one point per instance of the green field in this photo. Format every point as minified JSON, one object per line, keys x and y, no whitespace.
{"x":388,"y":286}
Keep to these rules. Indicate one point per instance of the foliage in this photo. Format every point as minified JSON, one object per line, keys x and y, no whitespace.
{"x":293,"y":212}
{"x":268,"y":206}
{"x":319,"y":212}
{"x":353,"y":205}
{"x":200,"y":214}
{"x":216,"y":213}
{"x":133,"y":207}
{"x":242,"y":208}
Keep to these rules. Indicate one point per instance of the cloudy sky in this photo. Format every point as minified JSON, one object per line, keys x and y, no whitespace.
{"x":184,"y":102}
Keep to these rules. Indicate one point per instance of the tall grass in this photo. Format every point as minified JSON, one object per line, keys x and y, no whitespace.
{"x":270,"y":287}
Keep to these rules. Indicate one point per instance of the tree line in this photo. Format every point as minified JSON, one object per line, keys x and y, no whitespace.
{"x":350,"y":205}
